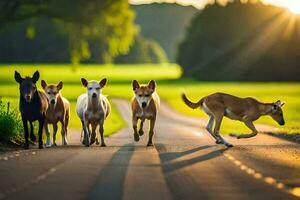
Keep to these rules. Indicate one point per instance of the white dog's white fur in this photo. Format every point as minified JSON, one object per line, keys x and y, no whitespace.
{"x":92,"y":108}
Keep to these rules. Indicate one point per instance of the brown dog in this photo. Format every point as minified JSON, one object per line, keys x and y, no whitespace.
{"x":247,"y":110}
{"x":58,"y":111}
{"x":145,"y":105}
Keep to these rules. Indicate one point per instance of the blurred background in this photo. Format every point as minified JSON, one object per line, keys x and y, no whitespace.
{"x":212,"y":40}
{"x":242,"y":47}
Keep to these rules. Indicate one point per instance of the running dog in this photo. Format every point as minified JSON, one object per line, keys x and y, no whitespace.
{"x":58,"y":111}
{"x":93,"y":108}
{"x":33,"y":106}
{"x":246,"y":110}
{"x":145,"y":105}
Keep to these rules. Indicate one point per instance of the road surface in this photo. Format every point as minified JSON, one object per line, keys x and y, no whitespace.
{"x":185,"y":163}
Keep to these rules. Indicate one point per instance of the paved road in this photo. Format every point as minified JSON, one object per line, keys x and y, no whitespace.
{"x":184,"y":164}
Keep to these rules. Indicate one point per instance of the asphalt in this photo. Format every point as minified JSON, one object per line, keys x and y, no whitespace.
{"x":184,"y":163}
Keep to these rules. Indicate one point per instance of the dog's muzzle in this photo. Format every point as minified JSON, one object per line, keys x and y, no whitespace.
{"x":144,"y":104}
{"x":94,"y":95}
{"x":52,"y":101}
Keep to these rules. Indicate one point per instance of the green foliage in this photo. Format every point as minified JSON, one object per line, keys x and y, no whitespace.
{"x":144,"y":51}
{"x":249,"y":42}
{"x":10,"y":123}
{"x":78,"y":22}
{"x":164,"y":23}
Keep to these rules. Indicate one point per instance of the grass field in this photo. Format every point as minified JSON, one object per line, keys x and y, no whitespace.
{"x":119,"y":79}
{"x":170,"y":88}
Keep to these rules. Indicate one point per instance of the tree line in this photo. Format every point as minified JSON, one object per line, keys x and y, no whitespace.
{"x":76,"y":31}
{"x":242,"y":41}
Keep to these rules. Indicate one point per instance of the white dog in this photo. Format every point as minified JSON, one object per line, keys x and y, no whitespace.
{"x":92,"y":108}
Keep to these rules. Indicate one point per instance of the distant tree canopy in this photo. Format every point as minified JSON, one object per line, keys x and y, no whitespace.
{"x":252,"y":42}
{"x":165,"y":23}
{"x":77,"y":26}
{"x":143,"y":51}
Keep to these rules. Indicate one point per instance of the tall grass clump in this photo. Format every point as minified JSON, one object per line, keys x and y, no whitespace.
{"x":10,"y":124}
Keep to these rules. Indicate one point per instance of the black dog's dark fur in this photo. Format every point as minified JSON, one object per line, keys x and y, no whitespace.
{"x":33,"y":106}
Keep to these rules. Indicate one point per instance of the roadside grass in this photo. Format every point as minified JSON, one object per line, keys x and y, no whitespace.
{"x":170,"y":88}
{"x":10,"y":123}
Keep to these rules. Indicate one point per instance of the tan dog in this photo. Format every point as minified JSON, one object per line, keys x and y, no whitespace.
{"x":145,"y":105}
{"x":58,"y":111}
{"x":246,"y":110}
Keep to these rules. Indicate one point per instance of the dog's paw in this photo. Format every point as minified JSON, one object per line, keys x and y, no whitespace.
{"x":228,"y":145}
{"x":97,"y":141}
{"x":141,"y":132}
{"x":150,"y":144}
{"x":103,"y":145}
{"x":41,"y":146}
{"x":32,"y":138}
{"x":219,"y":142}
{"x":54,"y":144}
{"x":136,"y":137}
{"x":234,"y":135}
{"x":209,"y":130}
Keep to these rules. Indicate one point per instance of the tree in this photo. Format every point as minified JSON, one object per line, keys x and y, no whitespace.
{"x":143,"y":51}
{"x":249,"y":41}
{"x":107,"y":21}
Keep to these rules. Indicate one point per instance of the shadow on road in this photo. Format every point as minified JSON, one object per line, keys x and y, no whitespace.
{"x":171,"y":169}
{"x":169,"y":166}
{"x":110,"y":183}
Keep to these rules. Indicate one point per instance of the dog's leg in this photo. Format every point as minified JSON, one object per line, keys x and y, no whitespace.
{"x":134,"y":125}
{"x":101,"y":130}
{"x":41,"y":125}
{"x":151,"y":131}
{"x":209,"y":127}
{"x":48,"y":141}
{"x":63,"y":133}
{"x":93,"y":135}
{"x":251,"y":126}
{"x":32,"y":136}
{"x":54,"y":134}
{"x":85,"y":140}
{"x":141,"y":132}
{"x":26,"y":134}
{"x":218,"y":120}
{"x":67,"y":118}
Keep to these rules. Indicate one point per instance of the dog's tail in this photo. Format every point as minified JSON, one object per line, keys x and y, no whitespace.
{"x":191,"y":104}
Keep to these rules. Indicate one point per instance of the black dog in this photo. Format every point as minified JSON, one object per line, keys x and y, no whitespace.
{"x":33,"y":105}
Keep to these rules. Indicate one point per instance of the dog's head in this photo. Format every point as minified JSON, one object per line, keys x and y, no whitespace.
{"x":27,"y":85}
{"x":93,"y":87}
{"x":277,"y":113}
{"x":143,"y":94}
{"x":52,"y":91}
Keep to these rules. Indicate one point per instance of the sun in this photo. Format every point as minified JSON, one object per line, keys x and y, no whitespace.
{"x":292,"y":5}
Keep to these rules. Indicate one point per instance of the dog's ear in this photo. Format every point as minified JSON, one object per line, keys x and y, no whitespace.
{"x":279,"y":103}
{"x":18,"y":77}
{"x":152,"y":85}
{"x":60,"y":85}
{"x":84,"y":82}
{"x":43,"y":84}
{"x":135,"y":85}
{"x":36,"y":76}
{"x":103,"y":82}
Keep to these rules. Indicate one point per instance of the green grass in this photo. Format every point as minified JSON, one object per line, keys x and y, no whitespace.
{"x":119,"y":79}
{"x":169,"y":89}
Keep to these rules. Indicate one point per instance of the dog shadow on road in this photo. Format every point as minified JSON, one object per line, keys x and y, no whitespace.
{"x":168,"y":158}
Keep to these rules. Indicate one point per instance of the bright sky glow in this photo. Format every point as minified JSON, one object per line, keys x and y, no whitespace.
{"x":292,"y":5}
